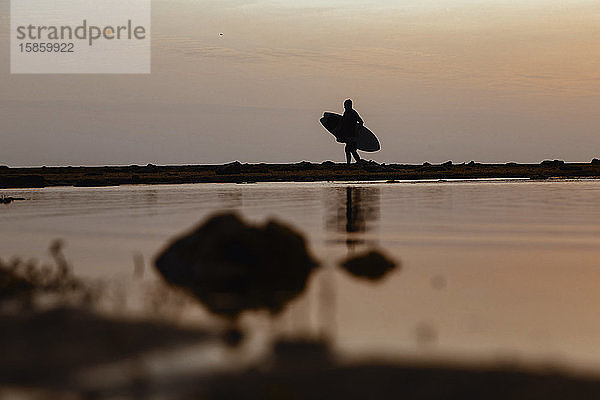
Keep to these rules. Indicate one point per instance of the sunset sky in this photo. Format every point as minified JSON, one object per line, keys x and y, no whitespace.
{"x":460,"y":80}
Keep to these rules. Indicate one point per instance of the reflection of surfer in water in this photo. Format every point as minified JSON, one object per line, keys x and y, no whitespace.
{"x":351,"y":212}
{"x":348,"y":130}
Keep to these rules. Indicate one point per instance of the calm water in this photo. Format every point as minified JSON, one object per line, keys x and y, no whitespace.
{"x":491,"y":270}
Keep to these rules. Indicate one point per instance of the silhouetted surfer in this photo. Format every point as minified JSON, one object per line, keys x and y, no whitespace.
{"x":351,"y":123}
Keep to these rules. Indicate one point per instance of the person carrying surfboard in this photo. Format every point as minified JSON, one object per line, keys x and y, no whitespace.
{"x":349,"y":126}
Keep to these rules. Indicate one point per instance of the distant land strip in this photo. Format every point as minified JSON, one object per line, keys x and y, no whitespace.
{"x":237,"y":172}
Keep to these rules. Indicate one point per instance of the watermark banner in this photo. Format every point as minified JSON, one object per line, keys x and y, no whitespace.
{"x":80,"y":36}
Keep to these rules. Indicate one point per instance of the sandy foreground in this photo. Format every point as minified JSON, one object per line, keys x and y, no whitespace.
{"x":53,"y":355}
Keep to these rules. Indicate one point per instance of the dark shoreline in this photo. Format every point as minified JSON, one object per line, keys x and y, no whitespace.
{"x":236,"y":172}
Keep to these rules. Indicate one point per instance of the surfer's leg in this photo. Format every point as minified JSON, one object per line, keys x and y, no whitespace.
{"x":348,"y":151}
{"x":351,"y":151}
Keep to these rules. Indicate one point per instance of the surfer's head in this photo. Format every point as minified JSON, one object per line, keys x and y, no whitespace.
{"x":348,"y":104}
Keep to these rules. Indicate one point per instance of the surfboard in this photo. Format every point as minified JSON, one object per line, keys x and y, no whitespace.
{"x":365,"y":140}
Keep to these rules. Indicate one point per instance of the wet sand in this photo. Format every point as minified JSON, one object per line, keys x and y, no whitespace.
{"x":298,"y":172}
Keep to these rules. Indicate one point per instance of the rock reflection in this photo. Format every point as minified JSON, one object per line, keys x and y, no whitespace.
{"x":352,"y":211}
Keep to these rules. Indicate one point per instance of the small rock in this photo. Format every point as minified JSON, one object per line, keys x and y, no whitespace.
{"x":232,"y":168}
{"x":370,"y":165}
{"x":8,"y":200}
{"x":304,"y":165}
{"x":553,"y":163}
{"x":372,"y":265}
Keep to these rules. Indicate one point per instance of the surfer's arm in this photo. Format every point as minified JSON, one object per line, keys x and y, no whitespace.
{"x":359,"y":119}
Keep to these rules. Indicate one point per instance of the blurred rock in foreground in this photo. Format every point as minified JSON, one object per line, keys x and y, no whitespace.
{"x":231,"y":266}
